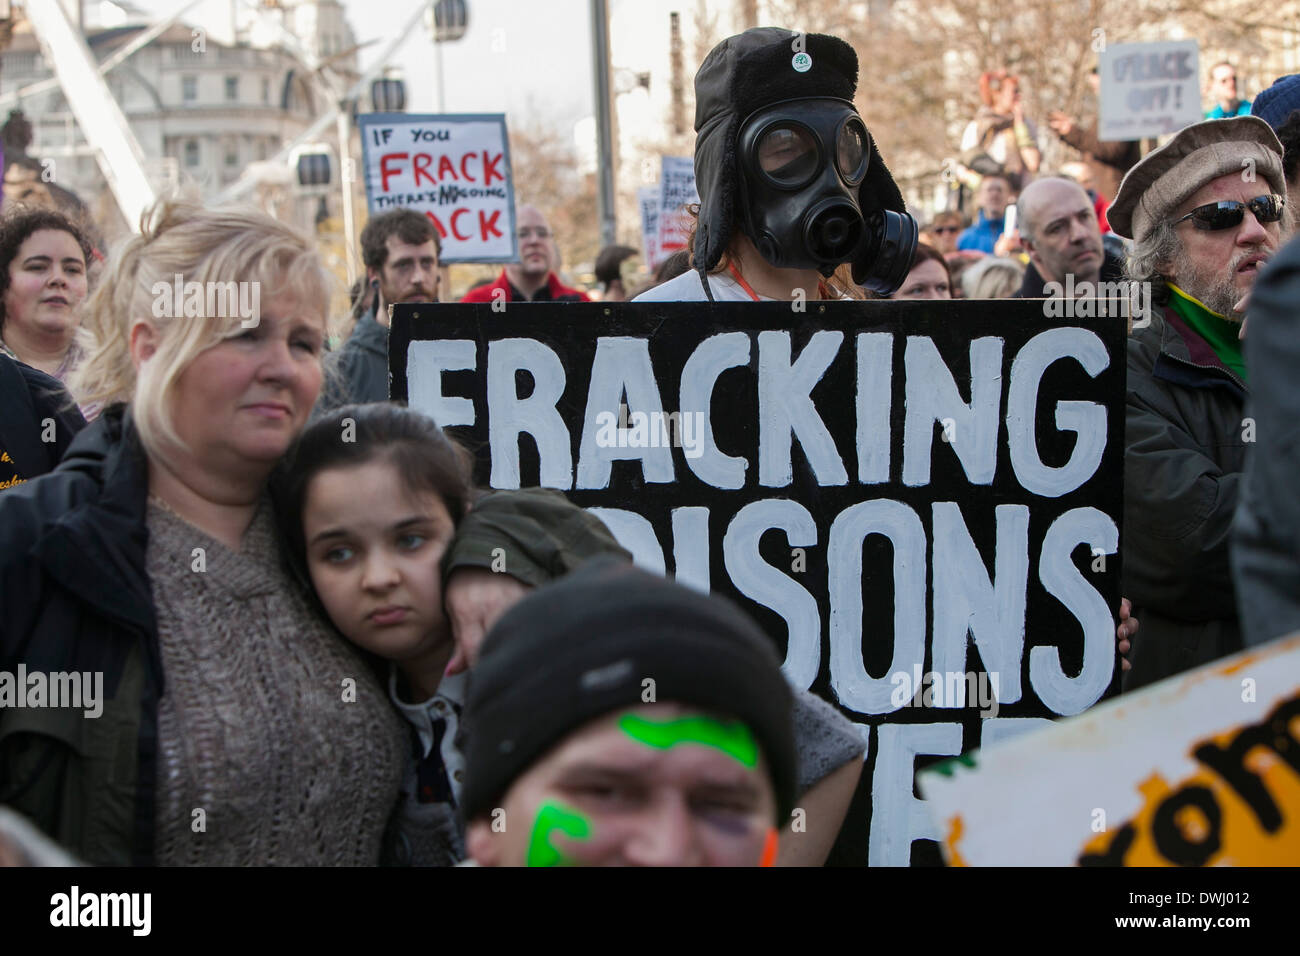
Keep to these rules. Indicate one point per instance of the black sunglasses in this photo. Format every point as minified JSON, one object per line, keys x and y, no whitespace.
{"x":1230,"y":212}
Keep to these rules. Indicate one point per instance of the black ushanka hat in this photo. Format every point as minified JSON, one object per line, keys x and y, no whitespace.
{"x":747,"y":73}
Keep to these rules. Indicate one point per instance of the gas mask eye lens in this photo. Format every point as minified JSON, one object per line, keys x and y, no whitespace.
{"x":787,"y":155}
{"x":851,"y":151}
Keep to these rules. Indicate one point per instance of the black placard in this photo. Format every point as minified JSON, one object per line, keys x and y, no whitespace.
{"x":870,"y":570}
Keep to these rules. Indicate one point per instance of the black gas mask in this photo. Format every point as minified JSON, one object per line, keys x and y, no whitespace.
{"x":806,"y":172}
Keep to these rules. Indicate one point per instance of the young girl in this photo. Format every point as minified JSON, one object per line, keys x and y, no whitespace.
{"x":379,"y":491}
{"x":376,"y":495}
{"x":382,"y":499}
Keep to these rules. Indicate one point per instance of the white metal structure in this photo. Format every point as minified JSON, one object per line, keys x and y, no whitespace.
{"x":100,"y":118}
{"x":328,"y":118}
{"x":143,"y":40}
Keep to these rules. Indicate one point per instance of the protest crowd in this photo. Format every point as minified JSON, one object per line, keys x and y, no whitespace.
{"x":320,"y":643}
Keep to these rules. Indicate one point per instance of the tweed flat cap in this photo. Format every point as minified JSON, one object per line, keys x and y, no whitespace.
{"x":1199,"y":153}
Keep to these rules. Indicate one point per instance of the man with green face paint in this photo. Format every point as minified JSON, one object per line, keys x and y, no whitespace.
{"x":617,"y":718}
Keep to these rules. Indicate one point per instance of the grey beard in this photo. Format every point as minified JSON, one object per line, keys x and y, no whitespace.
{"x":1219,"y":294}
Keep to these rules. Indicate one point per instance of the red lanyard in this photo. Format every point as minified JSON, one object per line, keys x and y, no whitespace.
{"x":823,"y":291}
{"x":741,"y":280}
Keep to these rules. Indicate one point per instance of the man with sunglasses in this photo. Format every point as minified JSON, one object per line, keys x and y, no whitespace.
{"x":532,"y":278}
{"x":943,"y":231}
{"x":1206,"y":212}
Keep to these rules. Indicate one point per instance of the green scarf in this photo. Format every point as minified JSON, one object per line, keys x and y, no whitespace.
{"x":1220,"y":333}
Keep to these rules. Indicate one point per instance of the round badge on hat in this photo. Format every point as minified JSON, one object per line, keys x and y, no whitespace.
{"x":802,"y":62}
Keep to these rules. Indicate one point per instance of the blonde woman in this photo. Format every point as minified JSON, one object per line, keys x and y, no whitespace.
{"x":993,"y":277}
{"x":220,"y":720}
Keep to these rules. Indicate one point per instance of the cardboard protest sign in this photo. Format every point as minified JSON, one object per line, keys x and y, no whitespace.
{"x":676,"y":190}
{"x":1202,"y":769}
{"x":454,"y":169}
{"x":647,"y":198}
{"x":1148,"y":89}
{"x":919,"y":502}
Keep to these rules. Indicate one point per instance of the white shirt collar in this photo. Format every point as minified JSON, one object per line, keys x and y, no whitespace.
{"x":443,"y":705}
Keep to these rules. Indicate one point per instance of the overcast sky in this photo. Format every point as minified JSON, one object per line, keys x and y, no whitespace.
{"x":518,"y":55}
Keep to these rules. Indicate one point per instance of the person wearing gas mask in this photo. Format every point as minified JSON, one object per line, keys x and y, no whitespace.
{"x":794,"y":195}
{"x":795,"y":198}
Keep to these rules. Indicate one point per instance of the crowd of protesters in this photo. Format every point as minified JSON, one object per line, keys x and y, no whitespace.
{"x":341,"y":538}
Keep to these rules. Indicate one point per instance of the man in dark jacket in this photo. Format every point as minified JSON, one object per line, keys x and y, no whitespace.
{"x":1059,"y":230}
{"x":1202,"y":228}
{"x":1266,"y":543}
{"x":400,"y":250}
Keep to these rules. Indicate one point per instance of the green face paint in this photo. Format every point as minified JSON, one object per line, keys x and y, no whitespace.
{"x":552,"y":818}
{"x":733,"y":739}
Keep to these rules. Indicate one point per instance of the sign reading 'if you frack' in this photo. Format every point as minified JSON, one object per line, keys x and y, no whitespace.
{"x":453,"y":169}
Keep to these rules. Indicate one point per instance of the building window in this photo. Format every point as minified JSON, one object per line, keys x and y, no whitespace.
{"x":191,"y":153}
{"x":232,"y":155}
{"x":232,"y":88}
{"x":189,"y":88}
{"x":266,"y":90}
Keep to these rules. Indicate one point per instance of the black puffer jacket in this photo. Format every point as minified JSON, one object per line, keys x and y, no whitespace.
{"x":1185,"y":451}
{"x":74,"y":596}
{"x":37,"y":422}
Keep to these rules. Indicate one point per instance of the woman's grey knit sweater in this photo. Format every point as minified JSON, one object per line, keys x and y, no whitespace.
{"x":277,"y":745}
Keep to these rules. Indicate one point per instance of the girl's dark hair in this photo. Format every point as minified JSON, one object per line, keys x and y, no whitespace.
{"x":426,"y":458}
{"x":17,"y":227}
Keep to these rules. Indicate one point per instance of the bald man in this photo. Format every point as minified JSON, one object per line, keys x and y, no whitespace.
{"x":532,"y":278}
{"x":1059,"y":230}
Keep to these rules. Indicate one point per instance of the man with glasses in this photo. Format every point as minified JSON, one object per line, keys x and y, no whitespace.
{"x":1206,"y":211}
{"x":532,"y":278}
{"x":942,"y":233}
{"x":1222,"y":88}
